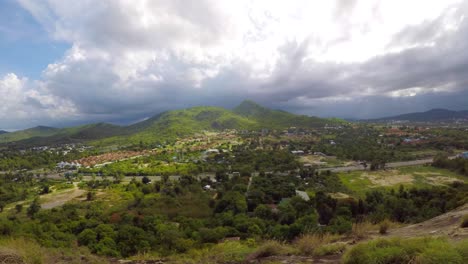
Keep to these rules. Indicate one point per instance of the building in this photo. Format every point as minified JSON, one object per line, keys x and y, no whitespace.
{"x":303,"y":195}
{"x":463,"y":155}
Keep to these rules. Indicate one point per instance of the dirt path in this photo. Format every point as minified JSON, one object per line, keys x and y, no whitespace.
{"x":59,"y":198}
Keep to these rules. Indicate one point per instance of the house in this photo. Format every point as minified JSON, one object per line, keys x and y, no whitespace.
{"x":303,"y":195}
{"x":211,"y":151}
{"x":463,"y":155}
{"x":297,"y":152}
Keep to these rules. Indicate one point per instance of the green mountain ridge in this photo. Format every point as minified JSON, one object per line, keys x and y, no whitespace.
{"x":427,"y":116}
{"x":168,"y":125}
{"x":39,"y":131}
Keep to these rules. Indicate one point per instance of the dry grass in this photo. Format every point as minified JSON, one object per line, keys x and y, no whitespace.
{"x":361,"y":230}
{"x":272,"y":248}
{"x":384,"y":226}
{"x":306,"y":244}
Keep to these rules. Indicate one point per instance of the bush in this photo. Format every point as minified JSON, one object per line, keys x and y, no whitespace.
{"x":272,"y":248}
{"x":330,"y":249}
{"x":464,"y":222}
{"x":383,"y":227}
{"x":308,"y":243}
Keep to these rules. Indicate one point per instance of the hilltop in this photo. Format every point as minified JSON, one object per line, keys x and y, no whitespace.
{"x":168,"y":125}
{"x":39,"y":131}
{"x":433,"y":115}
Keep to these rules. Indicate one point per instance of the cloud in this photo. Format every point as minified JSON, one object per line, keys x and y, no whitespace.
{"x":23,"y":101}
{"x":132,"y":58}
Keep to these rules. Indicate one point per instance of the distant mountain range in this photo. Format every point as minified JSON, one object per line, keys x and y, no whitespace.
{"x":167,"y":126}
{"x":3,"y":132}
{"x":433,"y":115}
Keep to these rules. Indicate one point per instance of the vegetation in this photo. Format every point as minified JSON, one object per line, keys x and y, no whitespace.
{"x":174,"y":188}
{"x":414,"y":250}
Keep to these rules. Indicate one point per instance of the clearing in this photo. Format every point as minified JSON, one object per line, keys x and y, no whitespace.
{"x":59,"y":198}
{"x":359,"y":182}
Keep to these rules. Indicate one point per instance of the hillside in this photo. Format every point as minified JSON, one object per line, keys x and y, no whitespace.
{"x":169,"y":126}
{"x":433,"y":115}
{"x":178,"y":123}
{"x":39,"y":131}
{"x":277,"y":119}
{"x":63,"y":135}
{"x":3,"y":132}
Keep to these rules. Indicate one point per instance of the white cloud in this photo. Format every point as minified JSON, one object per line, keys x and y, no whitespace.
{"x":25,"y":101}
{"x":131,"y":57}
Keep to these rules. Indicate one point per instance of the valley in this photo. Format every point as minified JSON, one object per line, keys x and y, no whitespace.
{"x":251,"y":185}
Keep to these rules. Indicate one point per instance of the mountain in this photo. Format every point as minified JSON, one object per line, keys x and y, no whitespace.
{"x":171,"y":125}
{"x":39,"y":131}
{"x":3,"y":132}
{"x":433,"y":115}
{"x":278,"y":119}
{"x":69,"y":135}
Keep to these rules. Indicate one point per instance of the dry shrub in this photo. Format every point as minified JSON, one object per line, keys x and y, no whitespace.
{"x":272,"y":248}
{"x":362,"y":229}
{"x":306,"y":244}
{"x":464,"y":222}
{"x":383,"y":226}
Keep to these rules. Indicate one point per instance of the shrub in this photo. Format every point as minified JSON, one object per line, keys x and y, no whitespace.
{"x":464,"y":222}
{"x":360,"y":230}
{"x":330,"y":249}
{"x":272,"y":248}
{"x":306,"y":244}
{"x":383,"y":227}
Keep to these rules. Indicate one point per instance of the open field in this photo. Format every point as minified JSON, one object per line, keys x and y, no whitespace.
{"x":418,"y":176}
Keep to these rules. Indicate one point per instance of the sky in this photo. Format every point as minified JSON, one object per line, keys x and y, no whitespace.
{"x":65,"y":62}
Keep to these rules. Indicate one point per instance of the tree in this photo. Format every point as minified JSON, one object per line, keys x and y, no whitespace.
{"x":232,"y":201}
{"x":90,"y":196}
{"x":145,"y":180}
{"x":19,"y":208}
{"x":34,"y":208}
{"x":262,"y":211}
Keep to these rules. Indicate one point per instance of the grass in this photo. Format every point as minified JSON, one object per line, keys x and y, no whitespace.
{"x":227,"y":252}
{"x":359,"y":182}
{"x":308,"y":244}
{"x":330,"y":249}
{"x":21,"y":250}
{"x":414,"y":250}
